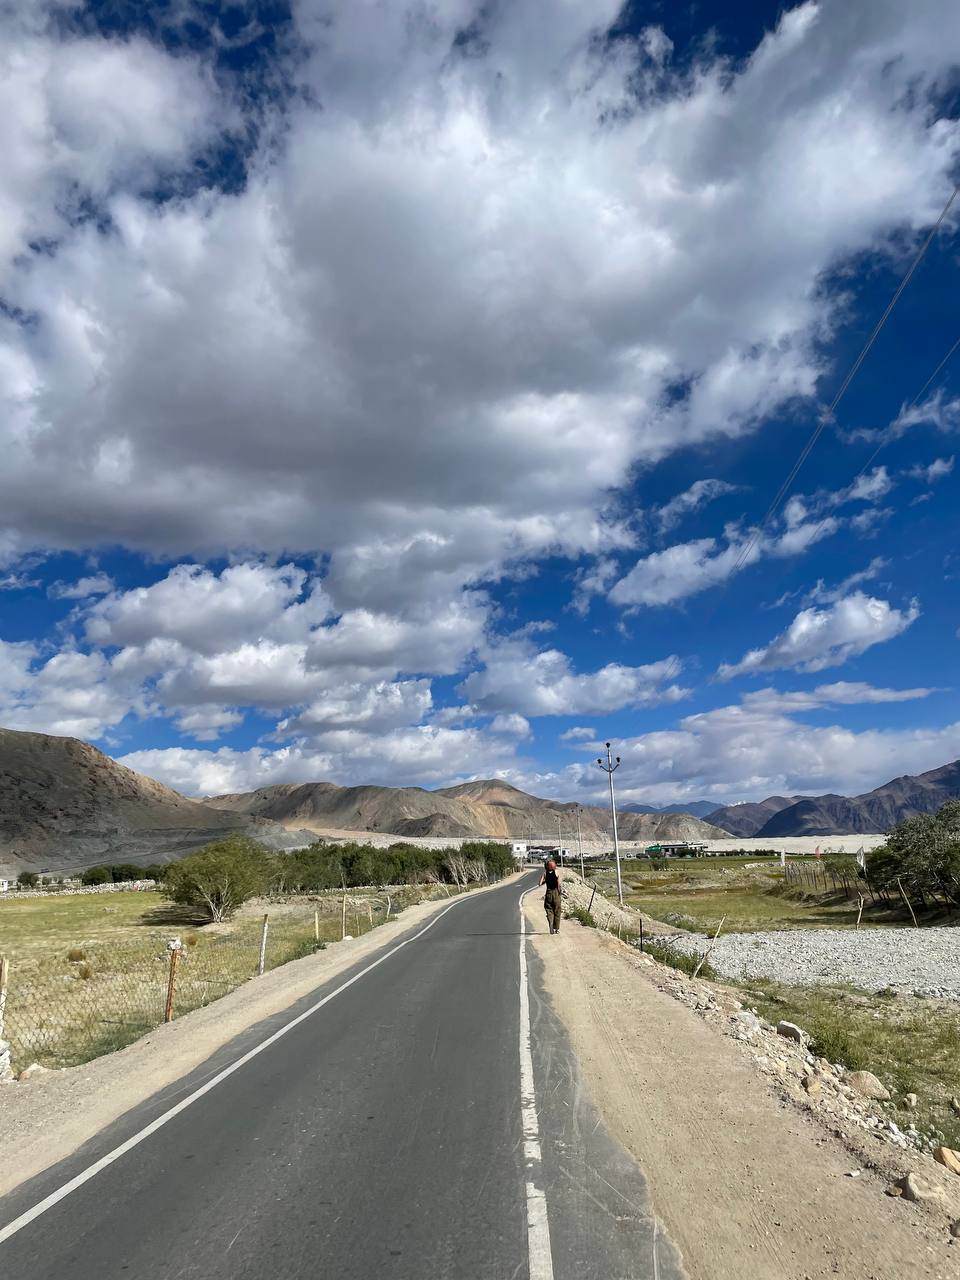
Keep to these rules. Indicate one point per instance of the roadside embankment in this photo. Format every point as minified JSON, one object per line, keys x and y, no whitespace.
{"x":755,"y":1173}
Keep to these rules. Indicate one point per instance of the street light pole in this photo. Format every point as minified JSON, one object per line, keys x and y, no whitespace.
{"x":610,"y":769}
{"x":580,"y":842}
{"x":559,"y":840}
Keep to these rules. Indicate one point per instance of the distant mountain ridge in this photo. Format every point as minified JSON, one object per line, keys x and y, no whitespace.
{"x":696,"y":808}
{"x":485,"y":808}
{"x":64,"y":804}
{"x":830,"y":815}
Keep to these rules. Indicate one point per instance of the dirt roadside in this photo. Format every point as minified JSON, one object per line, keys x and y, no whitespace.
{"x":48,"y":1117}
{"x":748,"y":1186}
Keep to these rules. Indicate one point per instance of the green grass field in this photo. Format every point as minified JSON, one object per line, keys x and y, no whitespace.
{"x":748,"y":894}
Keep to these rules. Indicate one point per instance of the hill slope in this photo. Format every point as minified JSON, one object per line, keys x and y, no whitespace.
{"x":484,"y":808}
{"x":747,"y":819}
{"x":64,"y":804}
{"x":878,"y":810}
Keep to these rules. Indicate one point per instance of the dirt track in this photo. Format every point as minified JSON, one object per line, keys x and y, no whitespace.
{"x":748,"y":1187}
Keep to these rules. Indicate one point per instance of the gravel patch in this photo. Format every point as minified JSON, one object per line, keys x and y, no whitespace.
{"x":924,"y":962}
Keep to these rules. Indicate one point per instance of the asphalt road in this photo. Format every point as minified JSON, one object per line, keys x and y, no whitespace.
{"x":383,"y":1136}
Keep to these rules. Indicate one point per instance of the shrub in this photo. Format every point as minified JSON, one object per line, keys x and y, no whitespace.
{"x":75,"y":954}
{"x":219,"y":878}
{"x":584,"y":916}
{"x":27,"y":879}
{"x":676,"y":959}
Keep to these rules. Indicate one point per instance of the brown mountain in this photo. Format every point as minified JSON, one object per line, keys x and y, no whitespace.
{"x":488,"y":807}
{"x":64,"y":804}
{"x":831,"y":815}
{"x":746,"y":819}
{"x":878,"y":810}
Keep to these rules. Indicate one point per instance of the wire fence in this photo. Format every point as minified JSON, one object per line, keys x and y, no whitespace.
{"x":71,"y":1003}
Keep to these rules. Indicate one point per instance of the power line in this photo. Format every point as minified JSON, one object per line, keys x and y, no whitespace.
{"x":827,"y":417}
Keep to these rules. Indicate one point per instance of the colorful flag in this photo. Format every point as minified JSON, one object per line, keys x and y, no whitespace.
{"x":816,"y":852}
{"x":861,"y":859}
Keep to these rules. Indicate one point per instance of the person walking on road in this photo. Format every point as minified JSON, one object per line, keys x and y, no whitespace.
{"x":552,"y":902}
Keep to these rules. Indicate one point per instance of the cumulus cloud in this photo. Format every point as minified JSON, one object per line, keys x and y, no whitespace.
{"x":431,"y":755}
{"x":819,"y":638}
{"x":579,"y":733}
{"x":379,"y":293}
{"x":517,"y":678}
{"x":687,"y":568}
{"x":745,"y":752}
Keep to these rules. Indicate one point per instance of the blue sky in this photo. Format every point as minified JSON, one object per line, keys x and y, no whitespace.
{"x":395,"y":393}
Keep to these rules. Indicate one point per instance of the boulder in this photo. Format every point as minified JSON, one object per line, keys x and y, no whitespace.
{"x":955,"y":1229}
{"x":949,"y":1159}
{"x":910,"y":1100}
{"x":913,"y":1188}
{"x":792,"y":1032}
{"x":867,"y":1085}
{"x":812,"y":1085}
{"x":28,"y":1073}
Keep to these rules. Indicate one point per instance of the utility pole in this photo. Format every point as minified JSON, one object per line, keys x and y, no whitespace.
{"x":610,"y":769}
{"x":580,"y":841}
{"x":559,"y":841}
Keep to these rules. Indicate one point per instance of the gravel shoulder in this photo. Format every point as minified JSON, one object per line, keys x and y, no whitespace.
{"x":925,"y":962}
{"x":47,"y":1118}
{"x":750,"y":1185}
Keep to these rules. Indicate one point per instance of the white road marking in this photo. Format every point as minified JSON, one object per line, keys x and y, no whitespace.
{"x":538,"y":1224}
{"x":112,"y":1156}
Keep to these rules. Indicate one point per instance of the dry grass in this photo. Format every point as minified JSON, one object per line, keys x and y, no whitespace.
{"x":89,"y":973}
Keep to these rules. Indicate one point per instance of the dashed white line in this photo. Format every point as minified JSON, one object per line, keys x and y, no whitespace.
{"x":538,"y":1223}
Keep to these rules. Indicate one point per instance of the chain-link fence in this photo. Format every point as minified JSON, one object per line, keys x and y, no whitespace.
{"x":68,"y":1004}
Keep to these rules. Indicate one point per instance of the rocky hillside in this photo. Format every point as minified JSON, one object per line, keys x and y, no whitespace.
{"x":64,"y":804}
{"x":484,"y":808}
{"x":747,"y":819}
{"x":829,"y":815}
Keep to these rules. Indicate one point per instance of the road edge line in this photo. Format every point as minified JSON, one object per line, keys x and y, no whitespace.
{"x":538,"y":1222}
{"x":54,"y":1198}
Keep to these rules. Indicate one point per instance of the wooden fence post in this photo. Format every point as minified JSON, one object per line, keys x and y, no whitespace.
{"x":263,"y":947}
{"x":174,"y":947}
{"x":316,"y":925}
{"x":703,"y":958}
{"x":4,"y":979}
{"x":343,"y":918}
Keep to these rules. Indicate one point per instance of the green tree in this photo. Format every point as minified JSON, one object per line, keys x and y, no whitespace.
{"x":96,"y":875}
{"x":219,"y":878}
{"x":27,"y":879}
{"x":923,"y":853}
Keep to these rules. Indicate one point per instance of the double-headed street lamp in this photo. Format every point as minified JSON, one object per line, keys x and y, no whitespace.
{"x":559,"y":841}
{"x":610,"y":769}
{"x":580,"y":840}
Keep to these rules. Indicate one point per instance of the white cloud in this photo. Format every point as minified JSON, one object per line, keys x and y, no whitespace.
{"x":687,"y":568}
{"x":698,"y":495}
{"x":819,"y":638}
{"x":842,"y":693}
{"x":517,"y":678}
{"x":821,"y":594}
{"x":579,"y":733}
{"x":748,"y":752}
{"x":373,"y":350}
{"x":99,"y":584}
{"x":933,"y":471}
{"x":512,"y":725}
{"x":426,"y":754}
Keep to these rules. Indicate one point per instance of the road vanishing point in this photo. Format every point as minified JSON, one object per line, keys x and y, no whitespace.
{"x":421,"y":1116}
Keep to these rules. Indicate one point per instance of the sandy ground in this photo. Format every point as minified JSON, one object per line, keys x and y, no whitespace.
{"x":45,"y":1119}
{"x":748,"y":1186}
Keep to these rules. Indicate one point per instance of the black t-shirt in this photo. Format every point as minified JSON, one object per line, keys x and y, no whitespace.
{"x":552,"y":880}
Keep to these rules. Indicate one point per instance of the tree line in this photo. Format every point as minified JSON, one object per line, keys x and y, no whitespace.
{"x":220,"y":877}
